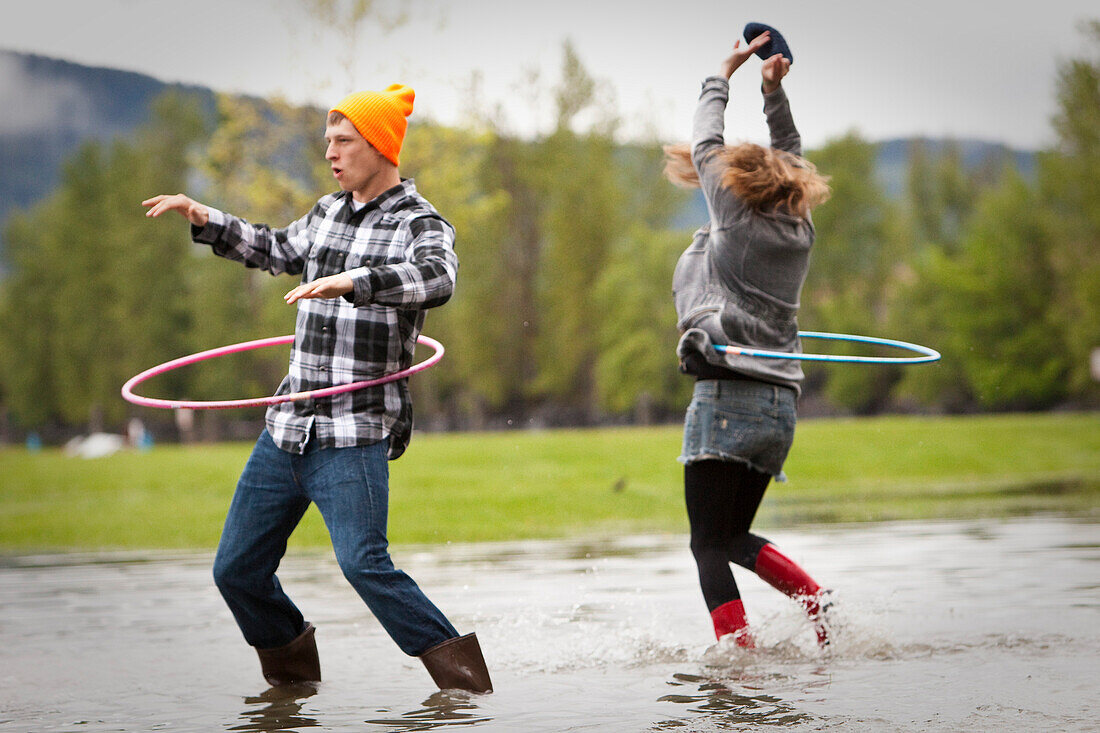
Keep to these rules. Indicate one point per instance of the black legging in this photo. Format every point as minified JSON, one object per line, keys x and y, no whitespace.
{"x":722,"y":498}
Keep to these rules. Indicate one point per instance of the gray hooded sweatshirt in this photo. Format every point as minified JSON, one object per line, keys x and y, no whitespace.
{"x":739,"y":282}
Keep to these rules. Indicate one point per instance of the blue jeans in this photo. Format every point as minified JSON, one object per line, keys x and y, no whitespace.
{"x":350,"y":487}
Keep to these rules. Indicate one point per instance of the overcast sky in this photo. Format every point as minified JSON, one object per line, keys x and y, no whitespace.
{"x":939,"y":68}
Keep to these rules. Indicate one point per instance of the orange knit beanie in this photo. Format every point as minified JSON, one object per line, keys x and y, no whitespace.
{"x":380,"y":117}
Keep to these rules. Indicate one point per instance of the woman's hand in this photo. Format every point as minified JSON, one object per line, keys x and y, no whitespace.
{"x":775,"y":68}
{"x":740,"y":55}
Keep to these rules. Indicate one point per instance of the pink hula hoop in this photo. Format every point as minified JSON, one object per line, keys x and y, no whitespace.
{"x":129,"y":396}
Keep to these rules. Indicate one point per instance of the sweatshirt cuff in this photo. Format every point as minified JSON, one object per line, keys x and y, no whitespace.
{"x":774,"y":98}
{"x":716,"y":82}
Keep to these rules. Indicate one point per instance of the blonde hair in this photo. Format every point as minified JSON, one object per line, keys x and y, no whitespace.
{"x":764,"y":178}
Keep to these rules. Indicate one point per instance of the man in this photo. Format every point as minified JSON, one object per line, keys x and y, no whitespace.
{"x":373,"y":258}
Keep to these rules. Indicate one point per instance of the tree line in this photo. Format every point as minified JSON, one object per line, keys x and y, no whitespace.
{"x":563,"y":312}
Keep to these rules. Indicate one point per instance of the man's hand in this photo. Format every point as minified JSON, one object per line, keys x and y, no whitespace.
{"x":740,"y":55}
{"x":189,"y":209}
{"x":332,"y":286}
{"x":773,"y":71}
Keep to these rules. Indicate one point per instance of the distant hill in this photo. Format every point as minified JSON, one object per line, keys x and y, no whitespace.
{"x":893,"y":158}
{"x":50,"y":107}
{"x":892,"y":166}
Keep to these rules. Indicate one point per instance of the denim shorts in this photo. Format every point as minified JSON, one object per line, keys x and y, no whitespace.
{"x":740,"y":420}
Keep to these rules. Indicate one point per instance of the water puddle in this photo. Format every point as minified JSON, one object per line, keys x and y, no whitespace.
{"x":938,"y":625}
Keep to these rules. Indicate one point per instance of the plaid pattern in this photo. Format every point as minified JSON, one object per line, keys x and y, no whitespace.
{"x":400,"y":255}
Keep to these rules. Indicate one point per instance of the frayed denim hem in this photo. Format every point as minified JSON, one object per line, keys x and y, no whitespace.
{"x":780,"y":477}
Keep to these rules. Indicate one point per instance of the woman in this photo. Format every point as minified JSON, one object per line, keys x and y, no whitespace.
{"x":739,"y":283}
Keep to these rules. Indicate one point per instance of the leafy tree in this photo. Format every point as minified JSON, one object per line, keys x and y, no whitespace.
{"x":583,"y":215}
{"x":990,"y":311}
{"x":1070,"y":181}
{"x":512,"y":166}
{"x":1014,"y":306}
{"x":103,"y":291}
{"x":449,"y":166}
{"x":859,"y":243}
{"x":940,"y":193}
{"x":635,"y":370}
{"x":28,"y":354}
{"x":636,"y":367}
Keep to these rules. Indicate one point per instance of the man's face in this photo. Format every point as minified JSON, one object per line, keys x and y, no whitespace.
{"x":354,"y":161}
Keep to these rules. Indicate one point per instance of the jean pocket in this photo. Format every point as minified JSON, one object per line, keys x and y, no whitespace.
{"x":733,"y":427}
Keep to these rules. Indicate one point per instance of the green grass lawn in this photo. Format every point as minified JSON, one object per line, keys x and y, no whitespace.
{"x":497,"y":486}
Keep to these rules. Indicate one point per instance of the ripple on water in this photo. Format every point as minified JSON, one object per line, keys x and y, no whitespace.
{"x":936,"y":626}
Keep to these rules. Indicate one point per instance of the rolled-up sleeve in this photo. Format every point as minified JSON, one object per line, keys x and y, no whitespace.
{"x":426,"y":278}
{"x":277,"y":251}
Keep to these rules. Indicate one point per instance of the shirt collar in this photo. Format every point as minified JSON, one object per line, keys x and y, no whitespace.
{"x":387,"y":201}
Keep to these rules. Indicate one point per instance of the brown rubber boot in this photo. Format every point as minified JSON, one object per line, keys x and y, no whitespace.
{"x":457,"y":664}
{"x":295,"y":662}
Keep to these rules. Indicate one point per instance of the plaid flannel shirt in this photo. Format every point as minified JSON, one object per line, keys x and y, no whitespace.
{"x":399,"y":253}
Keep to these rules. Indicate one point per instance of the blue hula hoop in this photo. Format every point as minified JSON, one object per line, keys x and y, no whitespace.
{"x":926,"y":354}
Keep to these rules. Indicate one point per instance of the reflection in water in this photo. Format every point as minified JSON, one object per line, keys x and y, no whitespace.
{"x":723,"y":706}
{"x":450,"y":707}
{"x":280,"y":711}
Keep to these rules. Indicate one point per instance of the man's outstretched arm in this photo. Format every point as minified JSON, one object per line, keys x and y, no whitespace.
{"x":277,"y":251}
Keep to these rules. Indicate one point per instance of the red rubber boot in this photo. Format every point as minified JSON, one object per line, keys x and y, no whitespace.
{"x":729,"y":618}
{"x":783,"y":574}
